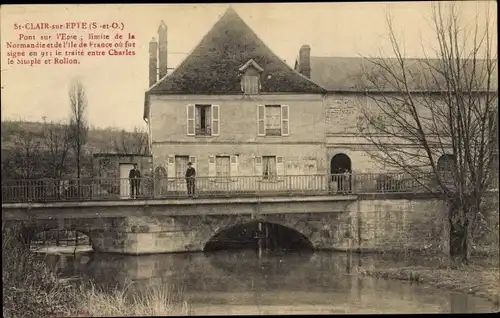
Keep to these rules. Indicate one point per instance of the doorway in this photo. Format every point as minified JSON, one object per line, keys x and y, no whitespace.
{"x":340,"y":171}
{"x":339,"y":163}
{"x":124,"y":182}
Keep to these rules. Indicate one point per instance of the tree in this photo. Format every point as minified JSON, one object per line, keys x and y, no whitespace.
{"x":78,"y":128}
{"x":25,"y":160}
{"x":132,"y":143}
{"x":57,"y":143}
{"x":433,"y":114}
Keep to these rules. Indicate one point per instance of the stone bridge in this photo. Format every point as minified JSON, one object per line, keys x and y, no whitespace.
{"x":339,"y":222}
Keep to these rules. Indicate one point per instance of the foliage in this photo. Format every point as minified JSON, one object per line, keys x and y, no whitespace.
{"x":25,"y":154}
{"x":132,"y":143}
{"x":31,"y":289}
{"x":56,"y":142}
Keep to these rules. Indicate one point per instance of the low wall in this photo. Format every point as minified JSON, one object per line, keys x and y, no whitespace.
{"x":402,"y":224}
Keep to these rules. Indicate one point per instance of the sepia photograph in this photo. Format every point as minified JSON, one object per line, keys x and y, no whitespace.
{"x":161,"y":159}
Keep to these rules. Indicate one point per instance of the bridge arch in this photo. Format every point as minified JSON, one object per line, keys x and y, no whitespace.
{"x":245,"y":234}
{"x":47,"y":234}
{"x":27,"y":232}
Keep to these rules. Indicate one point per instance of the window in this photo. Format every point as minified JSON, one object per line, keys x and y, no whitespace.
{"x":181,"y":166}
{"x":177,"y":165}
{"x":250,"y":84}
{"x":250,"y":79}
{"x":222,"y":167}
{"x":269,"y":167}
{"x":202,"y":120}
{"x":446,"y":163}
{"x":273,"y":120}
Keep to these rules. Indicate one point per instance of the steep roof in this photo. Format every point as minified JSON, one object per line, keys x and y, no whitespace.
{"x":213,"y":66}
{"x":348,"y":73}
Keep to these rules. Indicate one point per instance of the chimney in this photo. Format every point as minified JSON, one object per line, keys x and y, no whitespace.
{"x":162,"y":49}
{"x":153,"y":61}
{"x":305,"y":60}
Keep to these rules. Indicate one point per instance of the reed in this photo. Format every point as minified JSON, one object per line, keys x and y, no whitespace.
{"x":31,"y":288}
{"x":155,"y":301}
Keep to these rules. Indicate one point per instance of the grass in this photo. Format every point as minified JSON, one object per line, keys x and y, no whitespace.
{"x":155,"y":301}
{"x":33,"y":289}
{"x":482,"y":280}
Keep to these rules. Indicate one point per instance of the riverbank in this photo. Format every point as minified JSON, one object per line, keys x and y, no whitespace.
{"x":156,"y":301}
{"x":479,"y":280}
{"x":32,"y":288}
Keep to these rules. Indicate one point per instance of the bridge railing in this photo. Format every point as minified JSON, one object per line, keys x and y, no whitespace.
{"x":44,"y":190}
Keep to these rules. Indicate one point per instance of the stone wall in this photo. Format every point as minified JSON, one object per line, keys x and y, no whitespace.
{"x":106,"y":172}
{"x":401,"y":224}
{"x":108,"y":165}
{"x":487,"y":230}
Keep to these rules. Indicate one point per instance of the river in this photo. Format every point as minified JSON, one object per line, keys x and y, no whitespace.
{"x":244,"y":282}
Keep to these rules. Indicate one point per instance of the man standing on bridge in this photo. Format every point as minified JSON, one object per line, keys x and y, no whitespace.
{"x":190,"y":180}
{"x":134,"y":178}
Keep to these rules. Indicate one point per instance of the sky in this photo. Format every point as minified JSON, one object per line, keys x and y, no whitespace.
{"x":115,"y":86}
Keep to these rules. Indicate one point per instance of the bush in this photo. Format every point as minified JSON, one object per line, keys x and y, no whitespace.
{"x":31,"y":288}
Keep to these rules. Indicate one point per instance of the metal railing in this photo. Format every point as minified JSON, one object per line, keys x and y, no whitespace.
{"x":85,"y":189}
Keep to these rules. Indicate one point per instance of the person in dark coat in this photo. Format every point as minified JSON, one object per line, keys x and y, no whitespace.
{"x":190,"y":180}
{"x":134,"y":178}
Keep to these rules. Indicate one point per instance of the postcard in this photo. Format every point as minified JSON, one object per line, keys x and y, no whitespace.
{"x":258,"y":158}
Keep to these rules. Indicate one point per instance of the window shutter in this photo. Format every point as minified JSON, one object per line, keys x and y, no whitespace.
{"x":280,"y":167}
{"x":284,"y":120}
{"x":192,"y":159}
{"x":190,"y":120}
{"x":233,"y":167}
{"x":215,"y":120}
{"x":211,"y":167}
{"x":261,"y":119}
{"x":258,"y":166}
{"x":171,"y":166}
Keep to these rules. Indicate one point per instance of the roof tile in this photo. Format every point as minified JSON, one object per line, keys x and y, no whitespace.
{"x":348,"y":73}
{"x":213,"y":66}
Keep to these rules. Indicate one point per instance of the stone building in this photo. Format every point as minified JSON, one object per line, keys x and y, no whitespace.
{"x":233,"y":108}
{"x":349,"y":90}
{"x":111,"y":170}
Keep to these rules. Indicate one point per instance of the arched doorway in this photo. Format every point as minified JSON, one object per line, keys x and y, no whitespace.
{"x":446,"y":163}
{"x":160,"y":179}
{"x":340,"y":171}
{"x":339,"y":163}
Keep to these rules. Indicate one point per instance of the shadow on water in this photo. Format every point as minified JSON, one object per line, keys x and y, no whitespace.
{"x":255,"y":235}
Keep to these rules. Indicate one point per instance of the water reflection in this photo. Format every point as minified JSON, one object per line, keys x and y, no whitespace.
{"x":239,"y":282}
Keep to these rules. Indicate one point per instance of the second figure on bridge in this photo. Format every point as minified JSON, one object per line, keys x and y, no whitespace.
{"x":190,"y":180}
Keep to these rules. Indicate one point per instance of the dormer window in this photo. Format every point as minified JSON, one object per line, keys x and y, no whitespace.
{"x":250,"y":79}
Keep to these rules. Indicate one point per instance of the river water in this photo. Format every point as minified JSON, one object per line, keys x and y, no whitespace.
{"x":244,"y":282}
